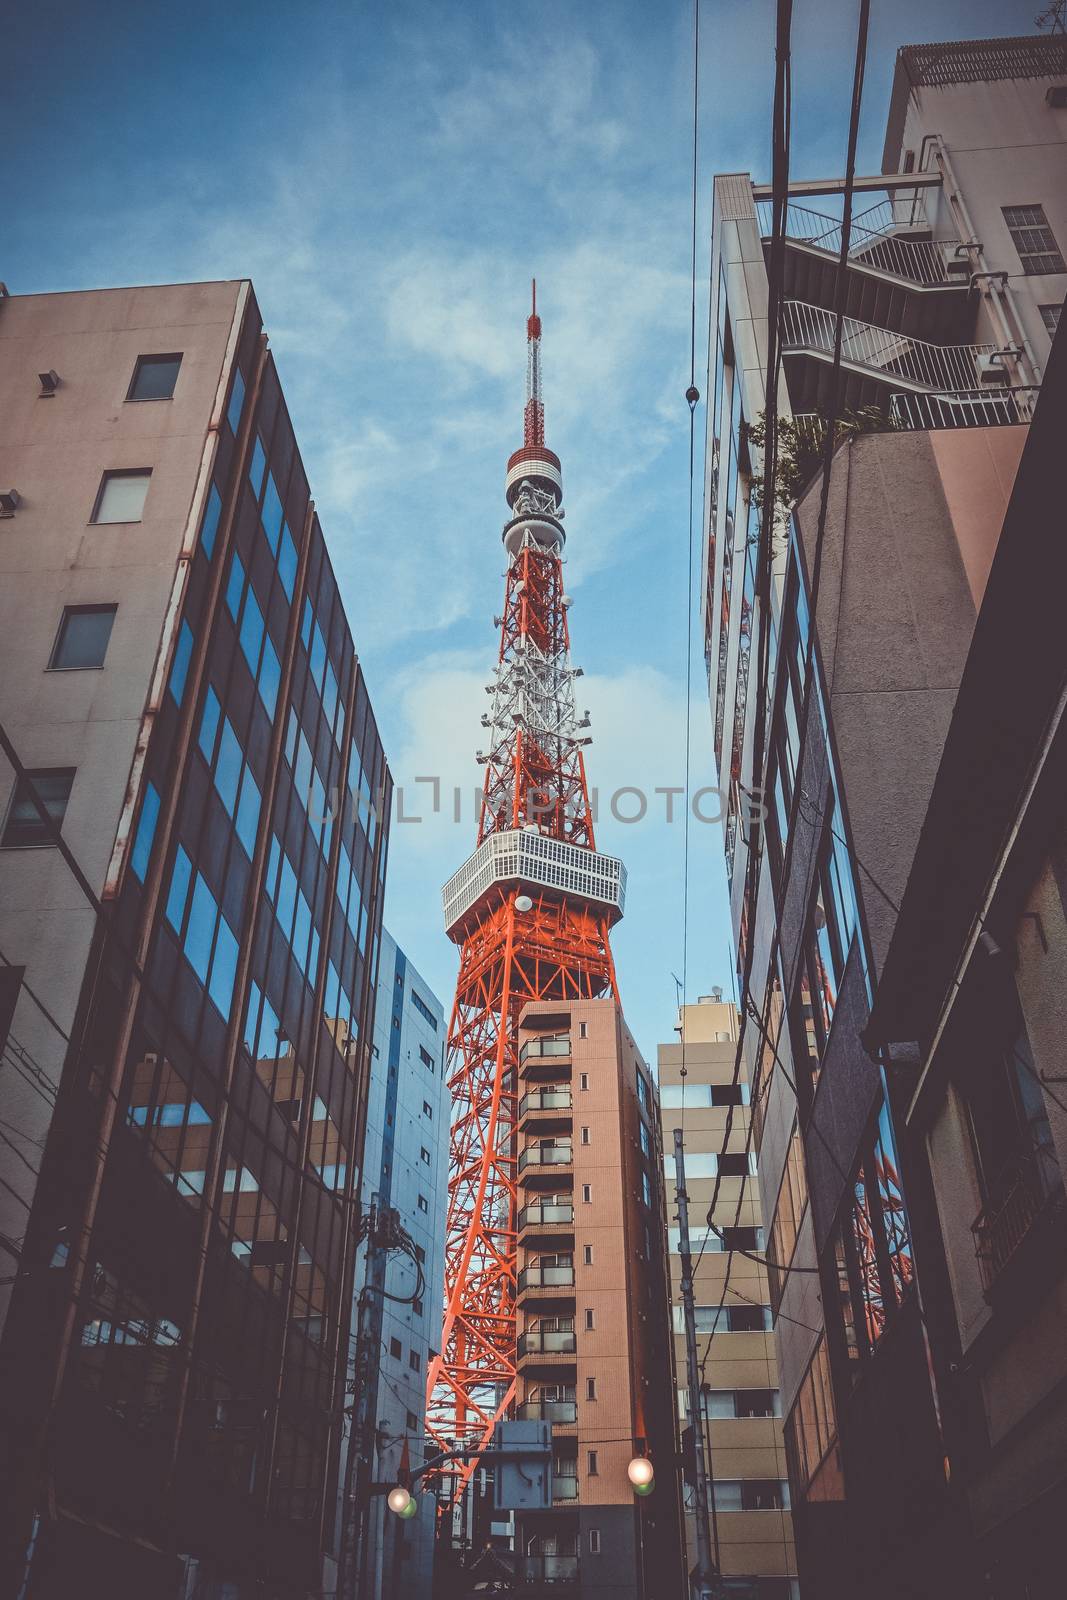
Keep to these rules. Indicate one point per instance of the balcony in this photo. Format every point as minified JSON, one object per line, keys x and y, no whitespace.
{"x":546,"y":1280}
{"x":1000,"y":1228}
{"x":554,"y":1411}
{"x":546,"y":1155}
{"x":564,"y":1487}
{"x":554,"y":1215}
{"x":535,"y":1049}
{"x":547,"y":1569}
{"x":545,"y":1343}
{"x":547,"y":1106}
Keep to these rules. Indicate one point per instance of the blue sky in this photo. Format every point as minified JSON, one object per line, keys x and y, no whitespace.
{"x":390,"y":176}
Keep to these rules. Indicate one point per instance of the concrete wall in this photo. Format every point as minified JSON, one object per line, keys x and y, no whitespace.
{"x":1007,"y":147}
{"x":54,"y":452}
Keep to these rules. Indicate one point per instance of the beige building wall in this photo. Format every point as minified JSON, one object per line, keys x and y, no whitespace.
{"x":743,"y":1449}
{"x":54,"y":450}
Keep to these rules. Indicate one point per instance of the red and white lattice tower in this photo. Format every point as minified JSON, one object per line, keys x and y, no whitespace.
{"x":531,"y":912}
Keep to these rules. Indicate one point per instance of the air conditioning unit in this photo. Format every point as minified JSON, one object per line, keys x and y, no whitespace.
{"x":9,"y":500}
{"x":1056,"y":96}
{"x":991,"y":369}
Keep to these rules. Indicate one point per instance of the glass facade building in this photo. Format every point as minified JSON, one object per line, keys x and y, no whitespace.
{"x":201,"y":1176}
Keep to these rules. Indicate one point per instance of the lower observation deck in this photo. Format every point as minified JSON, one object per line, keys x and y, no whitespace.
{"x":525,"y":856}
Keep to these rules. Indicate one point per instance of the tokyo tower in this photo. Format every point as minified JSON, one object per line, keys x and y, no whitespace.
{"x":531,"y":911}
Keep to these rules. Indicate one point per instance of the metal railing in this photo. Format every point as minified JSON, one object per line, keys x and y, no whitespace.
{"x":546,"y":1278}
{"x":875,"y":239}
{"x":890,"y":355}
{"x":1000,"y":1229}
{"x":547,"y":1411}
{"x":560,"y":1045}
{"x":545,"y":1100}
{"x":547,"y":1569}
{"x":546,"y":1155}
{"x":962,"y":408}
{"x":538,"y":1216}
{"x":542,"y":1342}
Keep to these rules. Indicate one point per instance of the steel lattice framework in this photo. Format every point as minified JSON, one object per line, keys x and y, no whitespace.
{"x":531,"y":912}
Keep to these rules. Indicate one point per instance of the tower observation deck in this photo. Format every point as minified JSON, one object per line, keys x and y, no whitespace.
{"x":531,"y":912}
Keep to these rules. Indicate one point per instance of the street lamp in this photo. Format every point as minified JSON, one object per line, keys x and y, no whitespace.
{"x":401,"y":1501}
{"x":641,"y":1475}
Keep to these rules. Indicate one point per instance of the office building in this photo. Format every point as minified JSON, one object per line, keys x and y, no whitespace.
{"x":397,"y":1328}
{"x":953,"y":283}
{"x":190,"y":927}
{"x":741,"y":1403}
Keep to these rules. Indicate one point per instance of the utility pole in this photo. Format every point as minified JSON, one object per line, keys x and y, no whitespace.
{"x":704,"y":1578}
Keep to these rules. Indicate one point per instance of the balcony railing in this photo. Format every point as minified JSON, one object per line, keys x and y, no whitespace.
{"x":999,"y":1229}
{"x":546,"y":1278}
{"x":542,"y":1342}
{"x":558,"y":1046}
{"x":937,"y":367}
{"x":963,"y":408}
{"x":538,"y":1216}
{"x":547,"y":1411}
{"x":546,"y":1100}
{"x":875,"y":239}
{"x":546,"y":1155}
{"x":547,"y":1569}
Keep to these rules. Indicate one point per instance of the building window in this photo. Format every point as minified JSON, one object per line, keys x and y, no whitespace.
{"x":210,"y":525}
{"x":427,"y":1109}
{"x":426,"y":1058}
{"x":417,"y":1306}
{"x":592,"y":1464}
{"x":424,"y":1204}
{"x":423,"y":1009}
{"x":83,"y":638}
{"x":121,"y":496}
{"x":146,"y":831}
{"x":396,"y":1348}
{"x":583,"y":1030}
{"x":590,"y":1319}
{"x":1034,"y":240}
{"x":587,"y":1193}
{"x":1050,"y":316}
{"x":594,"y":1541}
{"x":179,"y":670}
{"x":24,"y":825}
{"x":811,"y":1426}
{"x":585,"y":1136}
{"x":646,"y":1189}
{"x":237,"y":401}
{"x":412,"y":1421}
{"x":751,"y":1494}
{"x":743,"y":1403}
{"x":154,"y":378}
{"x":583,"y":1080}
{"x":414,"y":1361}
{"x":588,"y":1255}
{"x":424,"y":1154}
{"x":590,"y":1388}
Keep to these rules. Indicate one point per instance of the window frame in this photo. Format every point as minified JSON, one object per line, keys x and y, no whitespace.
{"x":110,"y":475}
{"x":17,"y":793}
{"x":90,"y":609}
{"x":152,"y":359}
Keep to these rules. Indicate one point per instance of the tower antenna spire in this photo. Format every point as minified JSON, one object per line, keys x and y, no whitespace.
{"x":533,"y":433}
